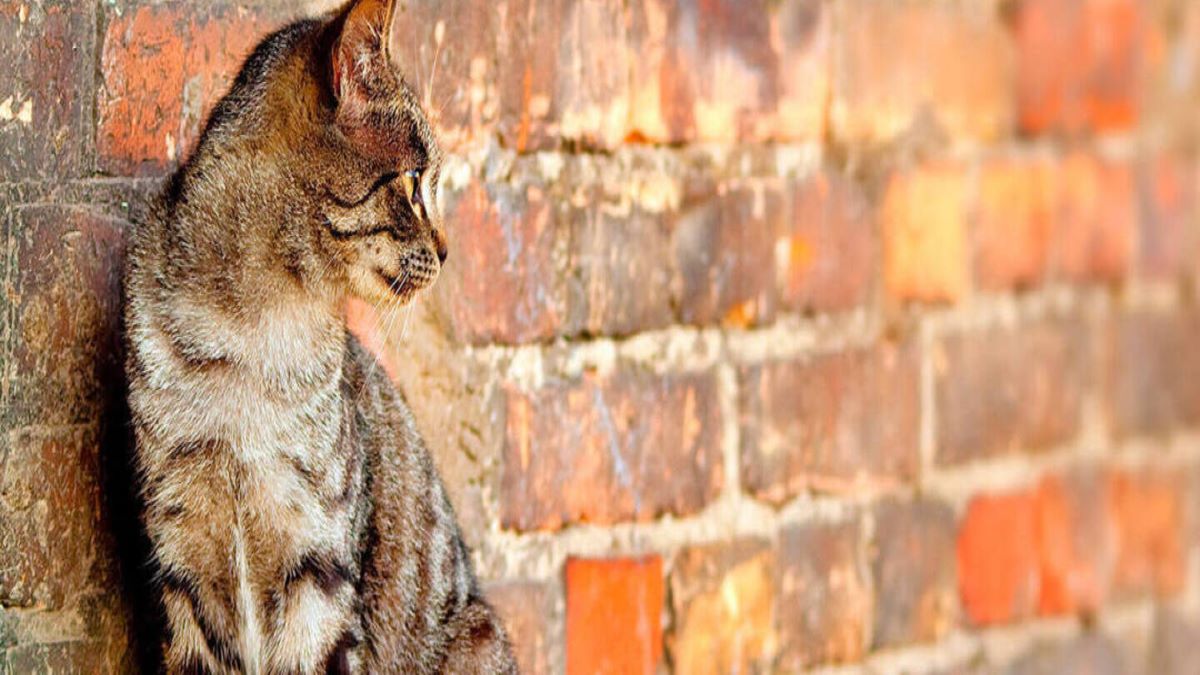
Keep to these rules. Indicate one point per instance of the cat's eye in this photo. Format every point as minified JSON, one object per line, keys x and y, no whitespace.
{"x":412,"y":189}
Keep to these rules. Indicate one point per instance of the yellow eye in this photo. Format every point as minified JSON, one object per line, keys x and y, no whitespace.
{"x":412,"y":188}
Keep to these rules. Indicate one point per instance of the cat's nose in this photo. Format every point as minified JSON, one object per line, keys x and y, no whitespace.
{"x":439,"y":241}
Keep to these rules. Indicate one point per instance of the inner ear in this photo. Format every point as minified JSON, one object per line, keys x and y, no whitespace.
{"x":361,"y":59}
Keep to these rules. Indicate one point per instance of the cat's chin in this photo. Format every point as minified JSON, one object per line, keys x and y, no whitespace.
{"x":381,"y":289}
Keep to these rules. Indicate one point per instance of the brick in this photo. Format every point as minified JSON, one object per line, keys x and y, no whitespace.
{"x":1155,"y":374}
{"x":614,"y":610}
{"x":899,"y":65}
{"x":724,"y":245}
{"x":64,"y":363}
{"x":826,"y":258}
{"x":723,"y":601}
{"x":162,"y":67}
{"x":528,"y":610}
{"x":639,"y":445}
{"x":1077,"y":65}
{"x":1004,"y":390}
{"x":45,"y":89}
{"x":50,"y":518}
{"x":915,"y":581}
{"x":1076,"y":543}
{"x":831,"y":422}
{"x":924,"y":235}
{"x":1150,"y":519}
{"x":621,"y":281}
{"x":504,"y":281}
{"x":1166,"y":242}
{"x":997,"y":566}
{"x":1014,"y":224}
{"x":824,"y":595}
{"x":1096,"y":212}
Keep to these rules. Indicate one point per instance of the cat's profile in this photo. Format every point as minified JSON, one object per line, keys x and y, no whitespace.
{"x":297,"y":522}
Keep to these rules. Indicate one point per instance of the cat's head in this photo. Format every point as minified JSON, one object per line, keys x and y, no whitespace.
{"x":380,"y":216}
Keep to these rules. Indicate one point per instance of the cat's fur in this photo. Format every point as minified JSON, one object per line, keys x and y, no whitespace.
{"x":297,"y":522}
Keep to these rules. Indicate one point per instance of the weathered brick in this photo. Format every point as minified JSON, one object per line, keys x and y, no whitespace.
{"x":162,"y":67}
{"x":1075,"y":541}
{"x":504,"y":281}
{"x":1096,"y":211}
{"x":1166,"y":240}
{"x":826,"y":259}
{"x":50,"y":517}
{"x":614,"y":610}
{"x":1014,"y":224}
{"x":1155,"y":376}
{"x":924,"y":235}
{"x":1173,"y":648}
{"x":1078,"y":64}
{"x":1088,"y":654}
{"x":1001,"y":390}
{"x":900,"y":64}
{"x":45,"y":89}
{"x":639,"y":445}
{"x":997,"y":565}
{"x":912,"y":564}
{"x":830,"y":422}
{"x":621,"y":277}
{"x":528,"y":610}
{"x":64,"y":362}
{"x":724,"y":245}
{"x":1149,"y":515}
{"x":723,"y":601}
{"x":824,"y":595}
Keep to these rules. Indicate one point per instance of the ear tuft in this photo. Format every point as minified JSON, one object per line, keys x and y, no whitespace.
{"x":360,"y":58}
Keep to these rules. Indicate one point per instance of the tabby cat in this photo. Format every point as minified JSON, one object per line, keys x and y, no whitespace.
{"x":297,"y":522}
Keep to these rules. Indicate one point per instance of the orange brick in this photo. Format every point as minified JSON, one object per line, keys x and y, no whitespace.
{"x":1148,"y":512}
{"x":723,"y":598}
{"x":997,"y":558}
{"x":163,"y":66}
{"x":1166,"y":236}
{"x":1075,"y":541}
{"x":901,"y":63}
{"x":614,"y":610}
{"x":1013,"y":226}
{"x":924,"y":235}
{"x":1097,"y":219}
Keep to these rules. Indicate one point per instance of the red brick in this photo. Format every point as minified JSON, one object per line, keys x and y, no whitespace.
{"x":831,"y":422}
{"x":45,"y":89}
{"x":1155,"y":373}
{"x":639,"y":445}
{"x":826,"y":258}
{"x":51,"y":529}
{"x":1014,"y":224}
{"x":723,"y":601}
{"x":824,"y":595}
{"x":614,"y":616}
{"x":1166,"y":217}
{"x":900,"y":64}
{"x":924,"y":235}
{"x":1096,"y":213}
{"x":1003,"y":390}
{"x":997,"y":563}
{"x":528,"y":610}
{"x":503,"y":281}
{"x":162,"y":68}
{"x":621,"y":282}
{"x":912,"y":563}
{"x":724,"y":244}
{"x":65,"y":290}
{"x":1076,"y":543}
{"x":1148,"y":510}
{"x":1078,"y":64}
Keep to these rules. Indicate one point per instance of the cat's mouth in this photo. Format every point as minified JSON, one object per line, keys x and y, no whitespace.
{"x":398,"y":286}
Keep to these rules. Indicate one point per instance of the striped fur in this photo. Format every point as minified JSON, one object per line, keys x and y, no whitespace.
{"x":297,"y":521}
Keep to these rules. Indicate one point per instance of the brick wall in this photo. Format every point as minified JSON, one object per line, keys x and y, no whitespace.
{"x":776,"y":334}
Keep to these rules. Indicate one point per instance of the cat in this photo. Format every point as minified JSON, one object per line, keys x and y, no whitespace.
{"x":296,"y":520}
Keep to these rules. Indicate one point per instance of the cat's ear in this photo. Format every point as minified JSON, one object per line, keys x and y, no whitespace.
{"x":360,"y":57}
